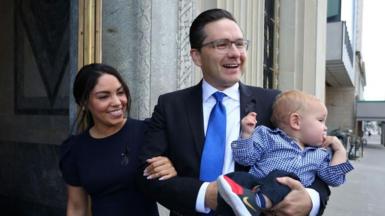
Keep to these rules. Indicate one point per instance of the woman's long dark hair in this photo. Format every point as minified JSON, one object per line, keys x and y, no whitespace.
{"x":84,"y":83}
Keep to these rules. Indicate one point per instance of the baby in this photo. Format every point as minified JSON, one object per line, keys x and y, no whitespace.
{"x":298,"y":148}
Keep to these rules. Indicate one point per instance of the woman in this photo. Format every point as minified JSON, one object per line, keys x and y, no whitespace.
{"x":102,"y":160}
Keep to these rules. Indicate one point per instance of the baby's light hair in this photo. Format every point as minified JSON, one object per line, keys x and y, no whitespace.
{"x":289,"y":102}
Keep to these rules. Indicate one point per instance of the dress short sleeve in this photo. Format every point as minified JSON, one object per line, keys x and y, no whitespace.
{"x":68,"y":162}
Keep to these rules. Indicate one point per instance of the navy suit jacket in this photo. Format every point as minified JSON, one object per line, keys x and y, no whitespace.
{"x":176,"y":131}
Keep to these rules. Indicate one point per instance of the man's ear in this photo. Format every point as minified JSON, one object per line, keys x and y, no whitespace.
{"x":295,"y":121}
{"x":196,"y":57}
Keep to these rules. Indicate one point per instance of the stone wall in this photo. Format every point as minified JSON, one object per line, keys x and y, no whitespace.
{"x":340,"y":104}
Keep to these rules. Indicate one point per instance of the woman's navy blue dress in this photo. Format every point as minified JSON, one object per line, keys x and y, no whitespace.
{"x":106,"y":169}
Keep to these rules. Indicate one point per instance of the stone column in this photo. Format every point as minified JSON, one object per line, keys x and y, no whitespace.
{"x":383,"y":133}
{"x":303,"y":46}
{"x":147,"y":41}
{"x":121,"y":44}
{"x":250,"y":17}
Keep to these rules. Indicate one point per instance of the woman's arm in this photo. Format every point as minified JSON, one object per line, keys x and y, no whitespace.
{"x":77,"y":203}
{"x":159,"y":167}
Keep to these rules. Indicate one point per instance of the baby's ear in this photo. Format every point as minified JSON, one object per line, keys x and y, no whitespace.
{"x":295,"y":121}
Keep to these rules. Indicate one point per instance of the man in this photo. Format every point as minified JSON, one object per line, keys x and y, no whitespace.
{"x":181,"y":120}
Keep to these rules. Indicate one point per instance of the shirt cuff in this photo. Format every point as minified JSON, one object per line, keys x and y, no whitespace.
{"x":200,"y":203}
{"x":314,"y":196}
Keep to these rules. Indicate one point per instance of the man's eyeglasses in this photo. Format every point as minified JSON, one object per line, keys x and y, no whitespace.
{"x":224,"y":45}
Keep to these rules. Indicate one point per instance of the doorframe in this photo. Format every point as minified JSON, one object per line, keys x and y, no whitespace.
{"x":89,"y":32}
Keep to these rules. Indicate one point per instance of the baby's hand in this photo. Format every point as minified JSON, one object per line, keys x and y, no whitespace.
{"x":248,"y":124}
{"x":333,"y":142}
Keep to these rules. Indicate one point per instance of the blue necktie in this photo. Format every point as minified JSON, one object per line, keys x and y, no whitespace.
{"x":214,"y":148}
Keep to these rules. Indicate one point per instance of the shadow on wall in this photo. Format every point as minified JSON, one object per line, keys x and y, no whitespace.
{"x":31,"y":183}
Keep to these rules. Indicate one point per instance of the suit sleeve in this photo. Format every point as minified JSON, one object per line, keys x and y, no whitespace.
{"x":178,"y":193}
{"x":324,"y":192}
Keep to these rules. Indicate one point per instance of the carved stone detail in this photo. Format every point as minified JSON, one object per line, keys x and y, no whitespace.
{"x":143,"y":71}
{"x":185,"y":72}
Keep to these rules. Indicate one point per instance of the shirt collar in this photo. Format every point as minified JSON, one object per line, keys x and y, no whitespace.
{"x":231,"y":92}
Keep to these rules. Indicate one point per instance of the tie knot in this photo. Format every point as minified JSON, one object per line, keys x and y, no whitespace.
{"x":219,"y":96}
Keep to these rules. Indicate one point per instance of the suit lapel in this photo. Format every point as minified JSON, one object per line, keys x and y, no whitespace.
{"x":193,"y":105}
{"x":195,"y":116}
{"x":248,"y":101}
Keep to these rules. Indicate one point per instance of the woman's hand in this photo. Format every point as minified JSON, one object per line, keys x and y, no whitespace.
{"x":159,"y":167}
{"x":77,"y":204}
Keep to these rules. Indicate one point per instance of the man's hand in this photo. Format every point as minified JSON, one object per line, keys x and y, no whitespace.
{"x":297,"y":202}
{"x":211,"y":195}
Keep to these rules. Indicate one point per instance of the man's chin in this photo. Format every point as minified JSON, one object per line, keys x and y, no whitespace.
{"x":229,"y":83}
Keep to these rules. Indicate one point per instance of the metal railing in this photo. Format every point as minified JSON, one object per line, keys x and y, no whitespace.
{"x":353,"y":144}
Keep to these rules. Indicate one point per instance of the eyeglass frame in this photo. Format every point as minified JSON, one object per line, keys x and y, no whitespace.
{"x":214,"y":44}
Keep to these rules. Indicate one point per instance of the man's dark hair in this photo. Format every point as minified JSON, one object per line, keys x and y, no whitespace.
{"x":197,"y":35}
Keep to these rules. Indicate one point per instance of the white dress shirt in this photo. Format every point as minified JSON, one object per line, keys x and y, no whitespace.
{"x":232,"y":104}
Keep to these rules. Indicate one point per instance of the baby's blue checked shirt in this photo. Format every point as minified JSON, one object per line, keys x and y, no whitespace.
{"x":271,"y":149}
